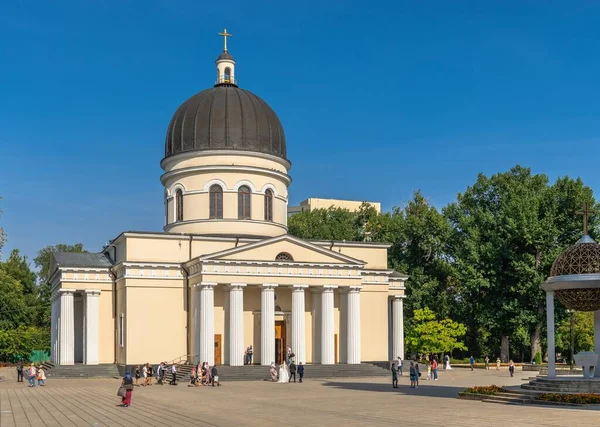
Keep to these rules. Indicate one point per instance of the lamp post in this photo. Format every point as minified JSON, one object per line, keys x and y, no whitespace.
{"x":572,"y":315}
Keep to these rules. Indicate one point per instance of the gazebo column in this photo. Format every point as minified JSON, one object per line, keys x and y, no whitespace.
{"x":67,"y":327}
{"x":597,"y":341}
{"x":550,"y":328}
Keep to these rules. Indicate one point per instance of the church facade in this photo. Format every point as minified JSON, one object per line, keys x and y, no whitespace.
{"x":224,"y":274}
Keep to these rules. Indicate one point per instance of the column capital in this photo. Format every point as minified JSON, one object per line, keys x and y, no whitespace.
{"x":329,"y":288}
{"x":398,"y":297}
{"x":266,"y":286}
{"x":237,"y":286}
{"x":299,"y":287}
{"x":350,"y":289}
{"x":92,"y":292}
{"x":66,"y":291}
{"x":201,"y":285}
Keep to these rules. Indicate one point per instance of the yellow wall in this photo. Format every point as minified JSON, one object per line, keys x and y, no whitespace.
{"x":374,"y":323}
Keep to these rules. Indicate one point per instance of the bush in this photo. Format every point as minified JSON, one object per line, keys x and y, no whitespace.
{"x":581,"y":399}
{"x":486,"y":389}
{"x":538,"y":358}
{"x":19,"y":344}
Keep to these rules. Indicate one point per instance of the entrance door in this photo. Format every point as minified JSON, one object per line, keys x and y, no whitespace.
{"x":280,"y":344}
{"x":217,"y":349}
{"x":335,"y":348}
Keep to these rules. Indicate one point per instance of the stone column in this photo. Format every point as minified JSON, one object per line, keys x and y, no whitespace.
{"x":196,"y":324}
{"x":53,"y":331}
{"x":353,"y":325}
{"x":398,"y":326}
{"x":298,"y":323}
{"x":316,"y":324}
{"x":207,"y":322}
{"x":236,"y":324}
{"x":327,"y":331}
{"x":67,"y":327}
{"x":227,"y":326}
{"x":343,"y":337}
{"x":91,"y":326}
{"x":267,"y":324}
{"x":597,"y":340}
{"x":550,"y":329}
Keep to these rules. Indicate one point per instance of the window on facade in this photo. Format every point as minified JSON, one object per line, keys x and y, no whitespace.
{"x":121,"y":328}
{"x":244,"y":202}
{"x":216,"y":202}
{"x":268,"y":205}
{"x":227,"y":75}
{"x":284,"y":256}
{"x":179,"y":205}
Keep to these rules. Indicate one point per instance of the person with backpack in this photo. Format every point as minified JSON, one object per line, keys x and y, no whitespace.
{"x":127,"y":385}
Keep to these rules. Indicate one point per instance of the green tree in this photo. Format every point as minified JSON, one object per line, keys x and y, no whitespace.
{"x":43,"y":261}
{"x":18,"y":268}
{"x":428,"y":335}
{"x":583,"y":328}
{"x":14,"y":310}
{"x":324,"y":224}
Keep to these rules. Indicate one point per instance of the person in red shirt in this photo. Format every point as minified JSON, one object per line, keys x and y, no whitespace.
{"x":434,"y":368}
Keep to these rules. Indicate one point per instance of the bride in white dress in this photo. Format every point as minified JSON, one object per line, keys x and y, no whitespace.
{"x":284,"y":373}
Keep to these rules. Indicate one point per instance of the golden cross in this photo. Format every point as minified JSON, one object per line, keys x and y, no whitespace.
{"x":585,"y":212}
{"x":225,"y":34}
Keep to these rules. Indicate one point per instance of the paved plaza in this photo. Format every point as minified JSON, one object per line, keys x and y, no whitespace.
{"x":338,"y":402}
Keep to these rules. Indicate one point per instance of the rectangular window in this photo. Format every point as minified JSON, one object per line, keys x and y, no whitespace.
{"x":121,"y":330}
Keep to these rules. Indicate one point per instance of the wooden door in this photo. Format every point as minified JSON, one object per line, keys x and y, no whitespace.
{"x":335,"y":347}
{"x":217,"y":349}
{"x":279,"y":341}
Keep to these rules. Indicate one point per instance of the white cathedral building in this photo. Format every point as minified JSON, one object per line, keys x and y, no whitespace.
{"x":224,"y":274}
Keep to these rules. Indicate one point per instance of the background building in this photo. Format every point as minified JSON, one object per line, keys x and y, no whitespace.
{"x":316,"y":203}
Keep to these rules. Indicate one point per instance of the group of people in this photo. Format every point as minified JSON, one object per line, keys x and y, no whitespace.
{"x":32,"y":373}
{"x":204,"y":375}
{"x":286,"y":372}
{"x":511,"y":364}
{"x":414,"y":371}
{"x":147,"y":373}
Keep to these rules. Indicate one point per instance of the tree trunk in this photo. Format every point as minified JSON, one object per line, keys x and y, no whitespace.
{"x":504,"y":349}
{"x":536,"y":342}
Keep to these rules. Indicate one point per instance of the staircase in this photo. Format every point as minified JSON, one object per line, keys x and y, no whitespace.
{"x":563,"y":385}
{"x":79,"y":370}
{"x":512,"y":397}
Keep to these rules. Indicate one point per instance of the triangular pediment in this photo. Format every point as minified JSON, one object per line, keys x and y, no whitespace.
{"x":267,"y":250}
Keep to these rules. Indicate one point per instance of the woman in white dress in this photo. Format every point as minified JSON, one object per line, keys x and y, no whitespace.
{"x":284,"y":373}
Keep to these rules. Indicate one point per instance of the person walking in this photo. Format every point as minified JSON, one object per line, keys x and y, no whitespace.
{"x":150,"y":373}
{"x":214,"y":374}
{"x":31,"y":375}
{"x":145,"y":375}
{"x":159,"y":374}
{"x":511,"y":368}
{"x":487,"y":363}
{"x":19,"y":371}
{"x":127,"y":384}
{"x":434,"y":368}
{"x":41,"y":376}
{"x":472,"y":363}
{"x":498,"y":364}
{"x":292,"y":370}
{"x":400,"y":365}
{"x":394,"y":377}
{"x":173,"y":375}
{"x":249,"y":352}
{"x":300,"y":371}
{"x":137,"y":375}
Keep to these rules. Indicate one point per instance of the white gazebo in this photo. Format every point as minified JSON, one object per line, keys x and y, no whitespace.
{"x":575,"y":281}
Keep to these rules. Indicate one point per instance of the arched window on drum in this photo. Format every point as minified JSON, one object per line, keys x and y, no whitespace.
{"x":269,"y":205}
{"x":179,"y":205}
{"x":216,"y":202}
{"x":244,"y":207}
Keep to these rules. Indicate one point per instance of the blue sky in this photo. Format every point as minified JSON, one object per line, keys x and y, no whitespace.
{"x":376,"y":101}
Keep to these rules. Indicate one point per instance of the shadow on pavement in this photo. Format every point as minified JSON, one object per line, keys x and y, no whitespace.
{"x":423,"y":390}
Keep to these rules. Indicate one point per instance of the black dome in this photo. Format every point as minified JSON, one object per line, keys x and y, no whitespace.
{"x":225,"y":118}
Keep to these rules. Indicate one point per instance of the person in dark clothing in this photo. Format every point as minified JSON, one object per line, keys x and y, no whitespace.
{"x":300,"y":371}
{"x":214,"y":376}
{"x":394,"y":376}
{"x":292,"y":370}
{"x":19,"y":372}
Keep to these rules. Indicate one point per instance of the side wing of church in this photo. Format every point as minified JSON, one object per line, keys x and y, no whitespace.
{"x":224,"y":274}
